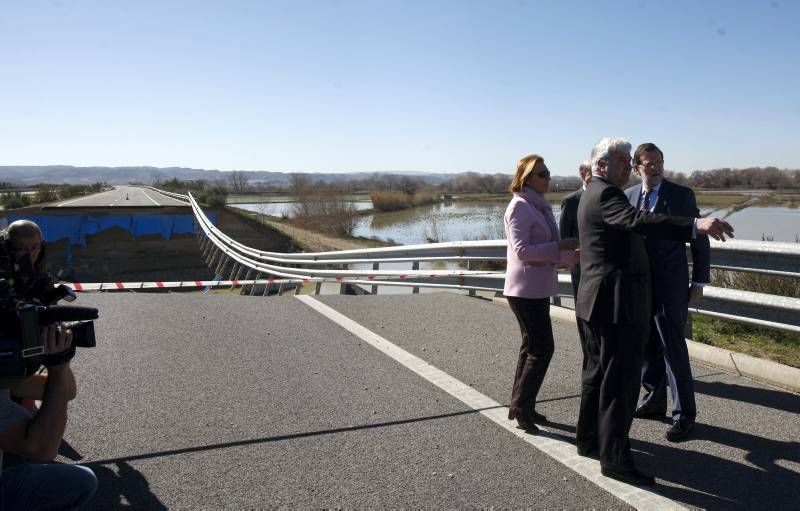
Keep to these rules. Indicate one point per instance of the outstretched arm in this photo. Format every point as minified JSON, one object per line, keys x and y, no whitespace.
{"x":38,"y":438}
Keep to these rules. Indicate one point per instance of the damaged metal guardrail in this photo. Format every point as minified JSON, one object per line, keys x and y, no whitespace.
{"x":365,"y":270}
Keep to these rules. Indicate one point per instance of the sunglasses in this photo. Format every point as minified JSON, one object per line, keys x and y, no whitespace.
{"x":545,"y":174}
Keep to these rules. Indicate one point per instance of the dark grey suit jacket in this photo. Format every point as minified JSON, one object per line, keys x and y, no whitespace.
{"x":668,"y":263}
{"x":615,"y":282}
{"x":568,"y":227}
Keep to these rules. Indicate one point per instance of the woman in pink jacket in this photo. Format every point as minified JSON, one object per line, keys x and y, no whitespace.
{"x":534,"y":254}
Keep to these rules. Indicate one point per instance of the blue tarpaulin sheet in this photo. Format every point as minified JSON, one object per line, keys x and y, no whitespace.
{"x":75,"y":228}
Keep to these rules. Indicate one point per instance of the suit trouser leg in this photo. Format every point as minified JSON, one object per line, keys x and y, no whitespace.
{"x":591,"y":379}
{"x":535,"y":351}
{"x":654,"y":373}
{"x":669,"y":322}
{"x":610,"y":388}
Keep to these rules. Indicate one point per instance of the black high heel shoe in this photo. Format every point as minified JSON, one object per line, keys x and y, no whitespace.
{"x":524,"y":420}
{"x":537,"y":417}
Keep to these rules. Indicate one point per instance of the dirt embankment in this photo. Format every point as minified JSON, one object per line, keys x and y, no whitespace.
{"x":309,"y":240}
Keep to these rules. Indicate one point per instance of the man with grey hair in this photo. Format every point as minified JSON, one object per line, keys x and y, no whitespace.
{"x":614,"y":304}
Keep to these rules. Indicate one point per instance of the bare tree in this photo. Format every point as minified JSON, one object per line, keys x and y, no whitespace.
{"x":299,"y":184}
{"x":238,"y":181}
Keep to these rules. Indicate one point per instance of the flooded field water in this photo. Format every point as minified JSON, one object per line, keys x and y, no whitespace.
{"x":460,"y":221}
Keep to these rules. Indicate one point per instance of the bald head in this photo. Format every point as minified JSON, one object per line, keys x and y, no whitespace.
{"x":23,"y":229}
{"x":25,"y":240}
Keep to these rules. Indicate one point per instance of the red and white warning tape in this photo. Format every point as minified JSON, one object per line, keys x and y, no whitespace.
{"x":159,"y":284}
{"x":399,"y":280}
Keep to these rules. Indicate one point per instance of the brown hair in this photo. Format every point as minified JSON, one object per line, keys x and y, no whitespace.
{"x":524,"y":169}
{"x":649,"y":147}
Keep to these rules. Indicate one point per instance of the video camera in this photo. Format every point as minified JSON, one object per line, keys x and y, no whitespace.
{"x":21,"y":349}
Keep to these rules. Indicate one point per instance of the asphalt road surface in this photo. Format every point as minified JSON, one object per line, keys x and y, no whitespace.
{"x":122,"y":197}
{"x":213,"y":401}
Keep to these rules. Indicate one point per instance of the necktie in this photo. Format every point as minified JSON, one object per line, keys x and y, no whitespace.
{"x":645,"y":206}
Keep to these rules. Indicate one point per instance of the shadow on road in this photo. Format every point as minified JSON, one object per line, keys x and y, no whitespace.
{"x":279,"y":438}
{"x":713,"y":482}
{"x":771,"y":398}
{"x":129,"y":489}
{"x":124,"y":489}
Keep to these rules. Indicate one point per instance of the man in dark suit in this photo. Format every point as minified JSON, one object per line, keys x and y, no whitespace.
{"x":665,"y":356}
{"x":568,"y":221}
{"x":613,"y":306}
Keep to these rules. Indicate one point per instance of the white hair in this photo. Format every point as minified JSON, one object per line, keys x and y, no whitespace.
{"x":607,"y":145}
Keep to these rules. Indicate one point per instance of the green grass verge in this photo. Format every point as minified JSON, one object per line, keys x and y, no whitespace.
{"x":719,"y":199}
{"x":781,"y":347}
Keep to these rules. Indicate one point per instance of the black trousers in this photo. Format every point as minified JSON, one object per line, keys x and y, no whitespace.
{"x":535,"y":352}
{"x":610,"y":388}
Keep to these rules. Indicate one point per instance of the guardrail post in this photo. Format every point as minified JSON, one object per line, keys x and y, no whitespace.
{"x":253,"y":287}
{"x":415,"y":266}
{"x":374,"y":288}
{"x":211,"y":248}
{"x":246,"y":277}
{"x":471,"y":266}
{"x":280,"y":289}
{"x":317,"y":287}
{"x":297,"y":288}
{"x":223,"y":262}
{"x":235,"y":269}
{"x":214,"y":253}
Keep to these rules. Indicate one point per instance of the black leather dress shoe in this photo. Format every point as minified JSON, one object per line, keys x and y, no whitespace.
{"x":645,"y":413}
{"x":679,"y":431}
{"x":630,"y":475}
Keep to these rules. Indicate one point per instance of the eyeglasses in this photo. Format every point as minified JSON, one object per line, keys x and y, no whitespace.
{"x":545,"y":174}
{"x":649,"y":164}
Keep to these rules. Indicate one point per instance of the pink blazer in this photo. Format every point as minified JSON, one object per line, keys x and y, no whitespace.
{"x":532,"y":254}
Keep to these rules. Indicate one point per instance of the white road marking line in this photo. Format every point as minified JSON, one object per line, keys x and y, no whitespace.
{"x":559,"y":450}
{"x":145,"y":194}
{"x":69,"y":202}
{"x":92,"y":196}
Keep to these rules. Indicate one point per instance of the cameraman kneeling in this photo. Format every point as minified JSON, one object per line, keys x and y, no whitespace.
{"x":43,"y":484}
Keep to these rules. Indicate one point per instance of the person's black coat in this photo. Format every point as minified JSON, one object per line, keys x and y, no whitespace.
{"x":668,"y":262}
{"x":615,"y":282}
{"x":568,"y":227}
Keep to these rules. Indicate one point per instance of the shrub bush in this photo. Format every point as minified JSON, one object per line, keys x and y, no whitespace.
{"x":392,"y":201}
{"x":758,"y":283}
{"x":327,"y":213}
{"x":15,"y":200}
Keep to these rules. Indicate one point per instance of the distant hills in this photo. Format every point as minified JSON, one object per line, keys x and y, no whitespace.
{"x":64,"y":174}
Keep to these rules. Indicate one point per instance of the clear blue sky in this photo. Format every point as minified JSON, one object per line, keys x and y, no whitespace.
{"x":438,"y":86}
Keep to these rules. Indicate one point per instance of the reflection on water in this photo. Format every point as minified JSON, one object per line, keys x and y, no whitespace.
{"x":454,"y":221}
{"x":285,"y":208}
{"x":459,"y":221}
{"x":777,"y":224}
